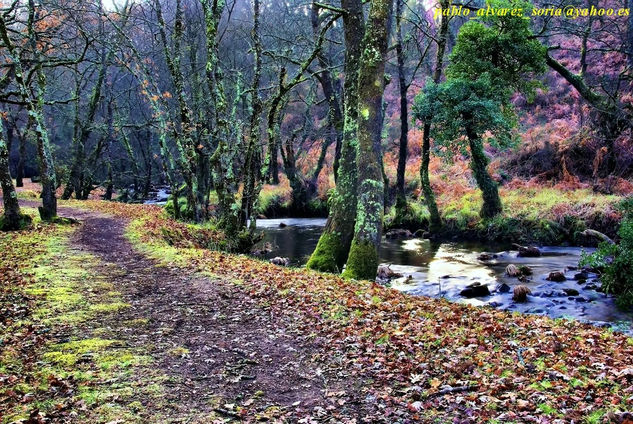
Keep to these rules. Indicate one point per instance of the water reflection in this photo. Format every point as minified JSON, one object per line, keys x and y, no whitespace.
{"x":445,"y":269}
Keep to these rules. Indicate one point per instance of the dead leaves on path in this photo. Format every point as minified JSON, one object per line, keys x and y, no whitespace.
{"x":429,"y":359}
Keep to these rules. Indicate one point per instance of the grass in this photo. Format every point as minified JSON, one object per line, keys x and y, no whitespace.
{"x":60,"y":353}
{"x":531,"y":214}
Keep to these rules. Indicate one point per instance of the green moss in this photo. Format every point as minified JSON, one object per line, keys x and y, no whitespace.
{"x":68,"y":354}
{"x":24,"y":222}
{"x":413,"y":216}
{"x":328,"y":255}
{"x":362,"y":263}
{"x":109,"y":307}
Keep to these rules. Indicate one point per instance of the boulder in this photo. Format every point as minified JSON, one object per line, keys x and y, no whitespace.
{"x":399,"y":233}
{"x":528,"y":251}
{"x":503,"y":288}
{"x":556,"y":276}
{"x":282,"y":225}
{"x":571,"y":292}
{"x":280,"y":261}
{"x":525,"y":270}
{"x":582,"y":275}
{"x":486,"y":257}
{"x":512,"y":271}
{"x":386,"y":273}
{"x":475,"y":290}
{"x":520,"y":293}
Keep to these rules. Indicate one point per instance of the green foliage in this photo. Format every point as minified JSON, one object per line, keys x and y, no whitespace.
{"x":616,"y":260}
{"x":492,"y":58}
{"x":502,"y":47}
{"x":460,"y":104}
{"x":412,"y":217}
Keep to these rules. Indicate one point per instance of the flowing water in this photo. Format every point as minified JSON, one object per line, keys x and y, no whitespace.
{"x":445,"y":269}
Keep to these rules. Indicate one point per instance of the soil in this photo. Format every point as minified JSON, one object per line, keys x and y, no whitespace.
{"x":214,"y":342}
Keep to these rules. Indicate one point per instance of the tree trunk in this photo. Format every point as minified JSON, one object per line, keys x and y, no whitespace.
{"x":35,"y":105}
{"x":297,"y":184}
{"x":479,"y":164}
{"x":12,"y":218}
{"x":19,"y":175}
{"x":362,"y":262}
{"x":429,"y":197}
{"x":252,"y":171}
{"x":184,"y":136}
{"x":333,"y":247}
{"x":401,"y":199}
{"x":332,"y":94}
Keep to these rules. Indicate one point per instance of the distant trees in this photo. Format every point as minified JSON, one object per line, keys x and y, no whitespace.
{"x":593,"y":55}
{"x":488,"y":64}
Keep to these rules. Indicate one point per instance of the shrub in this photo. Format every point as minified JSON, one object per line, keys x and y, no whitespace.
{"x":616,"y":260}
{"x":414,"y":217}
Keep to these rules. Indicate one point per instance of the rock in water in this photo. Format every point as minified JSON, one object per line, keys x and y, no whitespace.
{"x":512,"y":271}
{"x":556,"y":276}
{"x":525,"y":270}
{"x":280,"y":261}
{"x":386,"y":273}
{"x":475,"y":290}
{"x":282,"y":225}
{"x":582,"y":275}
{"x":503,"y":288}
{"x":520,"y":293}
{"x":528,"y":251}
{"x":399,"y":233}
{"x":571,"y":292}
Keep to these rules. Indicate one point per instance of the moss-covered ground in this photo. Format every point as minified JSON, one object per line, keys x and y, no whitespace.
{"x":59,"y":357}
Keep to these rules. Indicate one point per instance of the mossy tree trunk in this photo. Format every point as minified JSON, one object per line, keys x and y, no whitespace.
{"x":362,"y":262}
{"x":401,"y":199}
{"x":19,"y":176}
{"x":333,"y":247}
{"x":185,"y":137}
{"x":479,"y":164}
{"x":613,"y":118}
{"x":83,"y":130}
{"x":253,"y":162}
{"x":12,"y":218}
{"x":435,"y":220}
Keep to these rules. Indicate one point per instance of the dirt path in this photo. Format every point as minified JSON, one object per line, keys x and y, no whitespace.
{"x":212,"y":340}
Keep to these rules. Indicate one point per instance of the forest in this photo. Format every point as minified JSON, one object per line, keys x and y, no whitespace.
{"x":338,"y":211}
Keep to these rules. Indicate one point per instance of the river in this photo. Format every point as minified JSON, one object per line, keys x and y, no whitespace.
{"x":445,"y":269}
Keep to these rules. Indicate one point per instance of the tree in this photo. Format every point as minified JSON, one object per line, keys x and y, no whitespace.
{"x":488,"y":63}
{"x":362,"y":262}
{"x":12,"y":219}
{"x":333,"y":247}
{"x":435,"y":221}
{"x":33,"y":99}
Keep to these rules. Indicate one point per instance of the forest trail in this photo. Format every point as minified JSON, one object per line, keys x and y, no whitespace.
{"x":217,"y":347}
